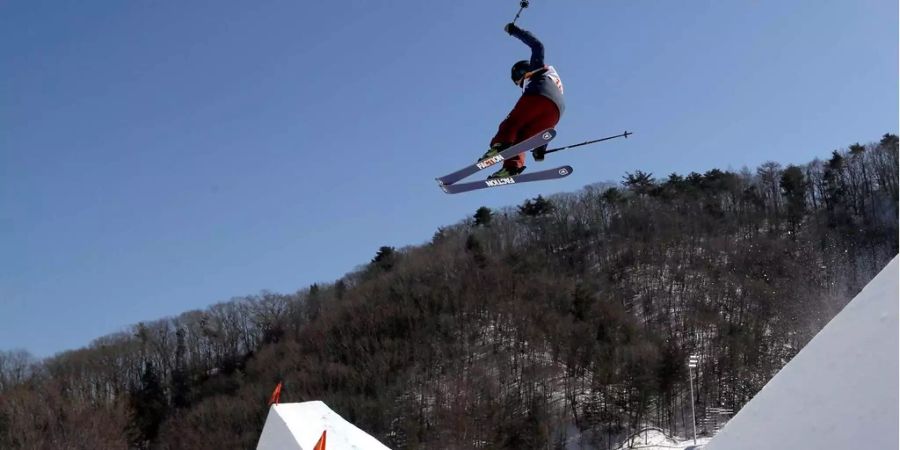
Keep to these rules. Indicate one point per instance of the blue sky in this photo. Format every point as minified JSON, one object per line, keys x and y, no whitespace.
{"x":159,"y":157}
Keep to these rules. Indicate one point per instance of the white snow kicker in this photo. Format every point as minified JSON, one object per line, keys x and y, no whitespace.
{"x":839,"y":392}
{"x":298,"y":426}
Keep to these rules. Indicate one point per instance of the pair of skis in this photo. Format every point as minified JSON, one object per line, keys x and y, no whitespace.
{"x":449,"y":182}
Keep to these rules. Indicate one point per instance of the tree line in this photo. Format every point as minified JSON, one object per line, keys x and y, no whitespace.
{"x":509,"y":329}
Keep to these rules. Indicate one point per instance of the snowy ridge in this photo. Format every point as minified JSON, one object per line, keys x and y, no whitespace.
{"x":840,"y":391}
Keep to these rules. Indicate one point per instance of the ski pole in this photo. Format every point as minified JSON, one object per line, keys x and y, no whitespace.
{"x":522,"y":5}
{"x":625,"y":135}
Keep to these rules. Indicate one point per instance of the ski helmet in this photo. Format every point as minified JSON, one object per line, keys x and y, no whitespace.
{"x":519,"y":69}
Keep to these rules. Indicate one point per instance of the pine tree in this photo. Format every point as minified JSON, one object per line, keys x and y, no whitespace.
{"x":536,"y":208}
{"x":385,"y":258}
{"x":640,"y":183}
{"x":793,"y":186}
{"x":582,"y":301}
{"x":473,"y":247}
{"x":148,"y":402}
{"x":612,"y":196}
{"x":483,"y":217}
{"x":836,"y":191}
{"x":313,"y":302}
{"x":181,"y":383}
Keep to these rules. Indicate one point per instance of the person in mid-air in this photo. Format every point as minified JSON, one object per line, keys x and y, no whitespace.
{"x":539,"y":108}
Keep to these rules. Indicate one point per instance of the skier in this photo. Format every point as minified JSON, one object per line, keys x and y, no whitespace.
{"x":539,"y":108}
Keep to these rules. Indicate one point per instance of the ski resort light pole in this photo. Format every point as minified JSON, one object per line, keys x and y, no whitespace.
{"x":692,"y":364}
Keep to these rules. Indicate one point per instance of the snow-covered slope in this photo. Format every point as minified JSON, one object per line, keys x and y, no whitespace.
{"x":298,"y":426}
{"x":839,"y":392}
{"x":654,"y":439}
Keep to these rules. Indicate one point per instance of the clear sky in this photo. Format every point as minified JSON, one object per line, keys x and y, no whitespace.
{"x":158,"y":157}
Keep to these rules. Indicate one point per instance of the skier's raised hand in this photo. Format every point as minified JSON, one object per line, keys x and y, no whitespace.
{"x":510,"y":28}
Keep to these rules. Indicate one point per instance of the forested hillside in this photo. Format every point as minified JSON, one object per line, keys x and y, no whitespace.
{"x":518,"y":328}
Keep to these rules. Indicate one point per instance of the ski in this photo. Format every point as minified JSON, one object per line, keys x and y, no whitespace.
{"x":535,"y":141}
{"x":549,"y":174}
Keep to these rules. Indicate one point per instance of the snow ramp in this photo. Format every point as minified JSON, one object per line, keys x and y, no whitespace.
{"x":298,"y":426}
{"x":838,"y":392}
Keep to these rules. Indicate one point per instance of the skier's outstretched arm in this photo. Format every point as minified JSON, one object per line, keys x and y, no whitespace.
{"x":537,"y":48}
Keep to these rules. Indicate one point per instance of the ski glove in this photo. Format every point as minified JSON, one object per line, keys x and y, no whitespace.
{"x":511,"y":28}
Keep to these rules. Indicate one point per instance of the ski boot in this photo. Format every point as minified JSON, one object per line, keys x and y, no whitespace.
{"x":493,"y":151}
{"x":506,"y":172}
{"x":539,"y":153}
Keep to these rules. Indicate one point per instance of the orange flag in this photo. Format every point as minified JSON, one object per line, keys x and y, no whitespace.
{"x":321,"y":444}
{"x":276,"y":395}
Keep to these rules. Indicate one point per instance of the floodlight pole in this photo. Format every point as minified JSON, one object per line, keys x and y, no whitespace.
{"x":692,"y":363}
